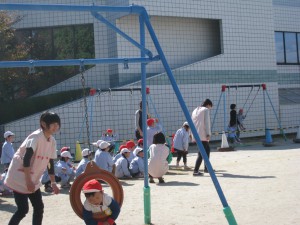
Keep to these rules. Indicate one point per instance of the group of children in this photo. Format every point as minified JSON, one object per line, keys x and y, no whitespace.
{"x":33,"y":164}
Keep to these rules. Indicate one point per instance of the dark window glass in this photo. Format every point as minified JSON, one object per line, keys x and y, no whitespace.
{"x":290,"y":47}
{"x":279,"y":47}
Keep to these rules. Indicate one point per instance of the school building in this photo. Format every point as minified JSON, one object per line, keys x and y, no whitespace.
{"x":207,"y":44}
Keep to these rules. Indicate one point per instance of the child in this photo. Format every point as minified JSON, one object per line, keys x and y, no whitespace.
{"x":137,"y":164}
{"x":98,"y":202}
{"x":86,"y":155}
{"x":158,"y":164}
{"x":118,"y":155}
{"x":7,"y":149}
{"x":139,"y":146}
{"x":102,"y":157}
{"x":181,"y":143}
{"x":110,"y":137}
{"x":4,"y":190}
{"x":153,"y":128}
{"x":64,"y":171}
{"x":240,"y":118}
{"x":130,"y":145}
{"x":122,"y":165}
{"x":233,"y":127}
{"x":28,"y":165}
{"x":46,"y":181}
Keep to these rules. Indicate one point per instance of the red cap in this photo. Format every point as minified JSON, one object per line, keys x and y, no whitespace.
{"x":92,"y":186}
{"x":150,"y":122}
{"x":109,"y":130}
{"x":130,"y":144}
{"x":140,"y":141}
{"x":121,"y":147}
{"x":63,"y":149}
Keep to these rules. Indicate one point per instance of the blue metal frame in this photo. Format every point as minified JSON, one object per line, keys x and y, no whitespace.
{"x":144,"y":21}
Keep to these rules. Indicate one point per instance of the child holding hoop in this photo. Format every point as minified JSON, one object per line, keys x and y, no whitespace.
{"x":98,"y":202}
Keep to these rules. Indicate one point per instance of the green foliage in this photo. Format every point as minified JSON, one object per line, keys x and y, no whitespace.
{"x":66,"y":42}
{"x":21,"y":108}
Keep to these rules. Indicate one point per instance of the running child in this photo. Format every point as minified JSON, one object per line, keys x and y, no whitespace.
{"x":35,"y":154}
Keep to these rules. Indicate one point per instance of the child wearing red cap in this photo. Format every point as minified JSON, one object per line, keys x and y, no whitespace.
{"x":139,"y":147}
{"x":98,"y":202}
{"x":110,"y":137}
{"x":130,"y":145}
{"x":118,"y":155}
{"x":153,"y":128}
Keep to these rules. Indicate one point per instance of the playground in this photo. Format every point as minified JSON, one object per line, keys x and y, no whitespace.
{"x":260,"y":184}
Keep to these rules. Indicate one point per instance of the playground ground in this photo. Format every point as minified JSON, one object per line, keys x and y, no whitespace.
{"x":261,"y":185}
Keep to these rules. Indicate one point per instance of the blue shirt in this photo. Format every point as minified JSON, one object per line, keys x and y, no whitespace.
{"x":59,"y":169}
{"x":104,"y":160}
{"x":117,"y":156}
{"x":181,"y":139}
{"x":151,"y":131}
{"x":137,"y":165}
{"x":122,"y":168}
{"x":81,"y":166}
{"x":7,"y":152}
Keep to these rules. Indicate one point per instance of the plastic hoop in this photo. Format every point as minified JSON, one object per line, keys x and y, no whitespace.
{"x":92,"y":171}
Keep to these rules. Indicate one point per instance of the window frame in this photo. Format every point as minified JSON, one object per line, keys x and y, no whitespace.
{"x":284,"y":48}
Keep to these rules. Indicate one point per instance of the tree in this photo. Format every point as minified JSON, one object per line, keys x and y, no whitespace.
{"x":10,"y":49}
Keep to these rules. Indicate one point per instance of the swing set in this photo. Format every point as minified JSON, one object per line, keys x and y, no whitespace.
{"x":254,"y":91}
{"x":145,"y":57}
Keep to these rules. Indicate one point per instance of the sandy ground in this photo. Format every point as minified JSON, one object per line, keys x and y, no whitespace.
{"x":261,"y":185}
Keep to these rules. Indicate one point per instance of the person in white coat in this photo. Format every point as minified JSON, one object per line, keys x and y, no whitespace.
{"x":158,"y":164}
{"x":201,"y":120}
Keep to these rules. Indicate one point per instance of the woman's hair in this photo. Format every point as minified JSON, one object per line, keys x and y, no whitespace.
{"x":232,"y":106}
{"x":207,"y":102}
{"x":159,"y":138}
{"x":49,"y":118}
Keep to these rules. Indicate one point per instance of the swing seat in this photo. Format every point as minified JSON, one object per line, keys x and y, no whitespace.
{"x":92,"y":171}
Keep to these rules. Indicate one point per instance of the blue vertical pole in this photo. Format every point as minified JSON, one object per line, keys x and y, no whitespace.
{"x":147,"y":199}
{"x":278,"y":121}
{"x":265,"y":112}
{"x":225,"y":112}
{"x":227,"y":210}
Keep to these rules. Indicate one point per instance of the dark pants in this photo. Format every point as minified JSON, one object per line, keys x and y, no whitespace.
{"x":181,"y":154}
{"x":23,"y":207}
{"x":199,"y":159}
{"x":138,"y":135}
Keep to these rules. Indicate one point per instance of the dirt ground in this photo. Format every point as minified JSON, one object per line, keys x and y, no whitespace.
{"x":261,"y":185}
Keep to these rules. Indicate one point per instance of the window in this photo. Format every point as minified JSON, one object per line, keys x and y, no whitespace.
{"x":290,"y":47}
{"x":287,"y":47}
{"x":279,"y":47}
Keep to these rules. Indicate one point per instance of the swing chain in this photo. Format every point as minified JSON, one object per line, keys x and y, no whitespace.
{"x":85,"y":104}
